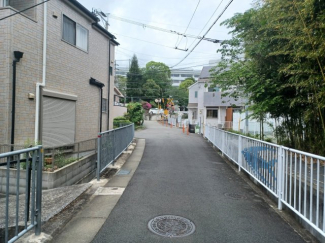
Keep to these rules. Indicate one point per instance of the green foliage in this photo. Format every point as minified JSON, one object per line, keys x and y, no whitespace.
{"x":120,"y":121}
{"x":187,"y":83}
{"x":135,"y":113}
{"x":134,"y":80}
{"x":60,"y":160}
{"x":160,"y":74}
{"x":276,"y":59}
{"x":150,"y":89}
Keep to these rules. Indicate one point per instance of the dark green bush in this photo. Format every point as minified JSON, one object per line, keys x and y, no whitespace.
{"x":120,"y":121}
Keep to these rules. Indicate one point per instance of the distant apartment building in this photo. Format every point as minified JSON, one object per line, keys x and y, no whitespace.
{"x":62,"y":62}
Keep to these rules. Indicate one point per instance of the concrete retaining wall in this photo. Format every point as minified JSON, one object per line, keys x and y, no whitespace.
{"x":64,"y":176}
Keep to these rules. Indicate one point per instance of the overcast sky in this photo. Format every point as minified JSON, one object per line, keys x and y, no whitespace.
{"x":153,"y":45}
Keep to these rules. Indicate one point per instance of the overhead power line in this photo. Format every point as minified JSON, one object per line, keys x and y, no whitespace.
{"x":162,"y":29}
{"x":224,"y":10}
{"x":19,"y":12}
{"x":189,"y":22}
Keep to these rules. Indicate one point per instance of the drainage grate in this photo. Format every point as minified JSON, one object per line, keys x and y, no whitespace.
{"x":123,"y":172}
{"x":171,"y":226}
{"x":235,"y":196}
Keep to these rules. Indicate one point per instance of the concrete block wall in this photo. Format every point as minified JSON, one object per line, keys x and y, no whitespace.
{"x":65,"y":176}
{"x":71,"y":174}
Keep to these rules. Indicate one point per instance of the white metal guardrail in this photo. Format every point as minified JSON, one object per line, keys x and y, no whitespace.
{"x":28,"y":216}
{"x":111,"y":144}
{"x":294,"y":177}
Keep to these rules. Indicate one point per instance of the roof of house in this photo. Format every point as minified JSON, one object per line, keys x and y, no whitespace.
{"x":83,"y":9}
{"x":192,"y":85}
{"x":205,"y":73}
{"x":118,"y":92}
{"x":104,"y":31}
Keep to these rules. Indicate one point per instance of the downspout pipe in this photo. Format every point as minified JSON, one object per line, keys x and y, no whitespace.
{"x":109,"y":82}
{"x":17,"y":55}
{"x":13,"y":109}
{"x":100,"y":85}
{"x":39,"y":85}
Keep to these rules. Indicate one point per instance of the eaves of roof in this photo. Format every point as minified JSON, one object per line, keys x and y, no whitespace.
{"x":192,"y":85}
{"x":83,"y":9}
{"x":105,"y":32}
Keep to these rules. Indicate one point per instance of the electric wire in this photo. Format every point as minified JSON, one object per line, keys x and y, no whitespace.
{"x":189,"y":23}
{"x":205,"y":33}
{"x":116,"y":34}
{"x":162,"y":29}
{"x":209,"y":20}
{"x":165,"y":57}
{"x":24,"y":10}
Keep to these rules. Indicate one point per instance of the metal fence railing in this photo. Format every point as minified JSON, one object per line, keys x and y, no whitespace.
{"x":59,"y":156}
{"x":5,"y":148}
{"x":22,"y":213}
{"x":111,"y":144}
{"x":294,"y":177}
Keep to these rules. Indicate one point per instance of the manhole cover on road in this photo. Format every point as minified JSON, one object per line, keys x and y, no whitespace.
{"x":235,"y":196}
{"x":171,"y":226}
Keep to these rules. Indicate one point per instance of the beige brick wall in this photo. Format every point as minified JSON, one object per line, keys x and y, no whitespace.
{"x":68,"y":70}
{"x":4,"y":77}
{"x":19,"y":34}
{"x":23,"y":4}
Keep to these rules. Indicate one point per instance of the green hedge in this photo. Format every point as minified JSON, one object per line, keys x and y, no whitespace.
{"x":120,"y":121}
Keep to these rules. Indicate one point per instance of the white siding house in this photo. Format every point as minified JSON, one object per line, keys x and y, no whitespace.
{"x":207,"y":106}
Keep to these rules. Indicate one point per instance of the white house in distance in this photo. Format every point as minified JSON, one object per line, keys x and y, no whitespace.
{"x":207,"y":106}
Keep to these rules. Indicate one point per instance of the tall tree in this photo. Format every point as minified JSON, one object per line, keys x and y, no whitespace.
{"x":276,"y":58}
{"x":150,"y":90}
{"x":160,"y":73}
{"x":134,"y":80}
{"x":187,"y":83}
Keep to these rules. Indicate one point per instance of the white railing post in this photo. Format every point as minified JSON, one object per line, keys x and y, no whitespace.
{"x":223,"y":142}
{"x":279,"y":177}
{"x":239,"y":152}
{"x":214,"y":142}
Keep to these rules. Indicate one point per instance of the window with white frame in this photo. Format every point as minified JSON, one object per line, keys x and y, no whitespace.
{"x":195,"y":94}
{"x":75,"y":34}
{"x":212,"y":113}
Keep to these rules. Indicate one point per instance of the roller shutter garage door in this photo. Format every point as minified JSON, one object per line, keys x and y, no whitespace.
{"x":59,"y":121}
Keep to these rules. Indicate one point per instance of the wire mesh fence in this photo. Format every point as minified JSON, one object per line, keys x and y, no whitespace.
{"x":111,"y":144}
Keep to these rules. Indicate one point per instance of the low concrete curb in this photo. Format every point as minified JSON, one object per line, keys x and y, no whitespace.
{"x":84,"y":226}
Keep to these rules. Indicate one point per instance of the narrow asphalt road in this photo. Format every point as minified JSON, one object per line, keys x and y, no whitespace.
{"x":182,"y":175}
